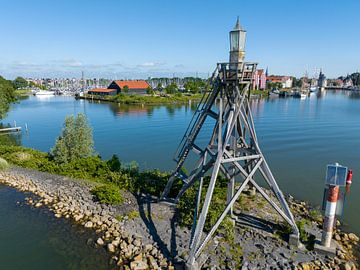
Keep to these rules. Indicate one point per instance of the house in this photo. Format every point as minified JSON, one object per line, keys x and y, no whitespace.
{"x":286,"y":81}
{"x":102,"y":92}
{"x":133,"y":87}
{"x":259,"y":79}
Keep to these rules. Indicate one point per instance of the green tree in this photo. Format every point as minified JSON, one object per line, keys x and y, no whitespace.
{"x":150,"y":91}
{"x":20,"y":83}
{"x":171,"y":88}
{"x":126,"y":89}
{"x":7,"y":95}
{"x":75,"y":141}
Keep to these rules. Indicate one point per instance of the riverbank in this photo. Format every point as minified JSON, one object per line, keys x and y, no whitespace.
{"x":146,"y":99}
{"x":141,"y":233}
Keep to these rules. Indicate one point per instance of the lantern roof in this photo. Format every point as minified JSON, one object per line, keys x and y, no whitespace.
{"x":237,"y":26}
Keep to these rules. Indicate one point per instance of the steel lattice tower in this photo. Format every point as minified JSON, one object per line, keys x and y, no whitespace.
{"x":233,"y":149}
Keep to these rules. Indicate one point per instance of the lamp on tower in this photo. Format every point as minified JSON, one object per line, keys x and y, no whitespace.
{"x":237,"y":43}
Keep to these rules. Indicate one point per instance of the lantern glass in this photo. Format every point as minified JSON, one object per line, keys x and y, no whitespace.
{"x":234,"y":40}
{"x":242,"y":38}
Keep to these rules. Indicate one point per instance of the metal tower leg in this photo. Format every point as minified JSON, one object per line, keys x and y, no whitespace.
{"x":232,"y":150}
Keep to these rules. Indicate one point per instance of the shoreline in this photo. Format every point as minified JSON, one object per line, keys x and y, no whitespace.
{"x":132,"y":248}
{"x":71,"y":199}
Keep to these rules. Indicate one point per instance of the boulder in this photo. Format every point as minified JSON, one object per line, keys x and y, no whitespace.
{"x":353,"y":237}
{"x":111,"y":248}
{"x":88,"y":224}
{"x":100,"y":241}
{"x":138,"y":265}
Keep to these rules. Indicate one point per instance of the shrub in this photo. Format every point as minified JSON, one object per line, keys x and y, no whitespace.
{"x":92,"y":168}
{"x":3,"y":164}
{"x":108,"y":194}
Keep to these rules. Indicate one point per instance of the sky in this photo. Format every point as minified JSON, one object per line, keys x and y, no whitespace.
{"x":136,"y":39}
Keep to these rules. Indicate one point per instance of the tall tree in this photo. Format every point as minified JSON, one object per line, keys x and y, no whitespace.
{"x":7,"y":95}
{"x":20,"y":82}
{"x":75,"y":141}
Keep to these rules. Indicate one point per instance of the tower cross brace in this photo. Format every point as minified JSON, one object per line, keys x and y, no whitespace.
{"x":232,"y":150}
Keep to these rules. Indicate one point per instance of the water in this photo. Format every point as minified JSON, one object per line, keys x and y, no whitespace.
{"x":298,"y":137}
{"x":34,"y":239}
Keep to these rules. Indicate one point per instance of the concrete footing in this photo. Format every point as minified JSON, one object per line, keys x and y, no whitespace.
{"x":294,"y":240}
{"x":191,"y":266}
{"x":330,"y":251}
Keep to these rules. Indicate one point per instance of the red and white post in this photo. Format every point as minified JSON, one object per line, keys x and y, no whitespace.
{"x":330,"y":211}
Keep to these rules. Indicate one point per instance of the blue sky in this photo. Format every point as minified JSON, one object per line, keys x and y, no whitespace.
{"x":137,"y":39}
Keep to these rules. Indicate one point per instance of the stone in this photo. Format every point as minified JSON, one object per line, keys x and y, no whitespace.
{"x":305,"y":266}
{"x":100,"y":241}
{"x":138,"y":265}
{"x":88,"y":224}
{"x":138,"y":257}
{"x":58,"y":215}
{"x":337,"y":237}
{"x":111,"y":248}
{"x":353,"y":237}
{"x":137,"y":242}
{"x":346,"y":266}
{"x":37,"y":205}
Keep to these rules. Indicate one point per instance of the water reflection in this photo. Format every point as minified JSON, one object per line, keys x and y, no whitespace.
{"x":11,"y":138}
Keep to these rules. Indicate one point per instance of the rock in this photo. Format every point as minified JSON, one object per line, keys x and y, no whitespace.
{"x":58,"y":215}
{"x":137,"y":242}
{"x":88,"y":224}
{"x":100,"y":241}
{"x":138,"y":257}
{"x":148,"y":247}
{"x":37,"y":205}
{"x":353,"y":237}
{"x":111,"y":248}
{"x":346,"y":266}
{"x":138,"y":265}
{"x":305,"y":266}
{"x":337,"y":237}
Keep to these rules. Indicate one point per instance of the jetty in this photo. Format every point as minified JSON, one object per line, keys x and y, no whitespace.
{"x":10,"y":129}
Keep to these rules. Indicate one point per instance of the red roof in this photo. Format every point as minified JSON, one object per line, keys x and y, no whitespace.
{"x":133,"y":84}
{"x":102,"y":90}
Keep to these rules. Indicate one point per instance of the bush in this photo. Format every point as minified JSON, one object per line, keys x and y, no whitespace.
{"x":3,"y":164}
{"x":108,"y":194}
{"x":92,"y":168}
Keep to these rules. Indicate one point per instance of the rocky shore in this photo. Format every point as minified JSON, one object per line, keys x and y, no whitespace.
{"x":69,"y":198}
{"x":143,"y":234}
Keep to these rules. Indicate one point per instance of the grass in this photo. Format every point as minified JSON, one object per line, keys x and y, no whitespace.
{"x":22,"y":92}
{"x":262,"y":93}
{"x":148,"y":99}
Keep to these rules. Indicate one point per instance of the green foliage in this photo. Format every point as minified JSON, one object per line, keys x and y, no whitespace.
{"x":3,"y":164}
{"x":273,"y":85}
{"x":303,"y":234}
{"x":125,"y":89}
{"x":150,"y":91}
{"x":20,"y":82}
{"x":108,"y":194}
{"x":75,"y":141}
{"x":10,"y":138}
{"x":133,"y":214}
{"x":195,"y":86}
{"x":7,"y":95}
{"x":171,"y":88}
{"x":92,"y":168}
{"x":186,"y":204}
{"x":315,"y":215}
{"x":296,"y":82}
{"x":114,"y":163}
